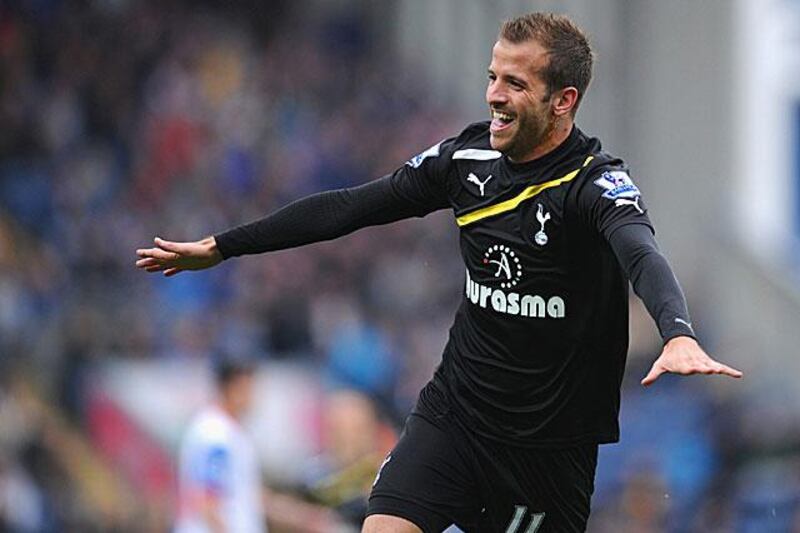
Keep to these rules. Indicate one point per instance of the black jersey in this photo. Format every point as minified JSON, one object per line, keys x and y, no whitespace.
{"x":537,"y":350}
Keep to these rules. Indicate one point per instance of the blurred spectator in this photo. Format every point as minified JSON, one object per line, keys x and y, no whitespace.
{"x":356,"y":441}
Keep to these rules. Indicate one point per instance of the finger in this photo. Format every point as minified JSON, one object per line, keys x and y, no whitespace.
{"x":155,"y":268}
{"x":145,"y":252}
{"x":697,"y":368}
{"x":149,"y":261}
{"x":170,"y":246}
{"x":720,"y":368}
{"x":716,"y":368}
{"x":172,"y":271}
{"x":651,"y":376}
{"x":158,"y":253}
{"x":729,"y":371}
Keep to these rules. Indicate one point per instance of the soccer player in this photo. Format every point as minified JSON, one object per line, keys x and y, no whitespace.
{"x":219,"y":479}
{"x":504,"y":437}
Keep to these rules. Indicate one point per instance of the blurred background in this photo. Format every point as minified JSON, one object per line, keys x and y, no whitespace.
{"x":121,"y":120}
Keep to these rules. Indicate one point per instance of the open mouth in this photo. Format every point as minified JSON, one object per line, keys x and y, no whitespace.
{"x":500,"y":121}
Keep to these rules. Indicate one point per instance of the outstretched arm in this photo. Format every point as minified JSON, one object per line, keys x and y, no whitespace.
{"x":315,"y":218}
{"x":654,"y":282}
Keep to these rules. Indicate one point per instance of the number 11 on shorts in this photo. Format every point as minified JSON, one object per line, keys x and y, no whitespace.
{"x":519,"y":514}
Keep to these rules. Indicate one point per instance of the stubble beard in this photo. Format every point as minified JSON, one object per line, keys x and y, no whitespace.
{"x":529,"y":135}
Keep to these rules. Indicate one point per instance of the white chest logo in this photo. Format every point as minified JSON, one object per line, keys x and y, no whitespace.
{"x":542,"y":217}
{"x":472,"y":178}
{"x":509,"y":269}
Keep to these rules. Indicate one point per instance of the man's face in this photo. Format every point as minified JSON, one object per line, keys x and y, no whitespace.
{"x":518,"y":99}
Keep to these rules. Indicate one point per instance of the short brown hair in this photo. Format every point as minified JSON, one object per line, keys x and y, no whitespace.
{"x":570,"y":55}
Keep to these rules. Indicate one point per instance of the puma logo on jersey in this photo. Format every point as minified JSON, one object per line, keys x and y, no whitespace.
{"x":635,"y":203}
{"x":472,"y":178}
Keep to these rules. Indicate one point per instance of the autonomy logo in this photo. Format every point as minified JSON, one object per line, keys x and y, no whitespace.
{"x":499,"y":255}
{"x":509,"y":271}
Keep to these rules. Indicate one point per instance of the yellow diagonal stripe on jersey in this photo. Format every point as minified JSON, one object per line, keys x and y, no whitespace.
{"x":512,"y":203}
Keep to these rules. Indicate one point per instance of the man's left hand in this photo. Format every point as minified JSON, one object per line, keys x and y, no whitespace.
{"x":682,"y":355}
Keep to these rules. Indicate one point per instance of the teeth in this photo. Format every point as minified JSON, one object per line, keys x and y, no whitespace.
{"x":501,"y":116}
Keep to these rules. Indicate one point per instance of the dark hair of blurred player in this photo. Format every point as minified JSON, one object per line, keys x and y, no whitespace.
{"x":234,"y":382}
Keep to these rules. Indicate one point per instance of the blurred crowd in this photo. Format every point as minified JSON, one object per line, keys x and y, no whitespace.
{"x":124,"y":120}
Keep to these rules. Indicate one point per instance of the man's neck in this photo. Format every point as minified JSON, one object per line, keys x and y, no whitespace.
{"x":558,"y":133}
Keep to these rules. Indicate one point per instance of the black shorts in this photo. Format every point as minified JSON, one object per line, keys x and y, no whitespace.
{"x":439,"y":474}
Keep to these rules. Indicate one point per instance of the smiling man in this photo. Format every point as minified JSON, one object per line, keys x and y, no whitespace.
{"x":521,"y":84}
{"x":504,"y":437}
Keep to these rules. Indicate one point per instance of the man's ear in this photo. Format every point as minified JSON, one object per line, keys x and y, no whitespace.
{"x":565,"y":100}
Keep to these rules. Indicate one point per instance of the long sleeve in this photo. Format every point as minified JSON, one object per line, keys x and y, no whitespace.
{"x":652,"y":279}
{"x":320,"y":217}
{"x":415,"y":189}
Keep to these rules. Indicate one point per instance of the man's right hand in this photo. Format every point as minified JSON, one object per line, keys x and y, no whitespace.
{"x":174,"y":257}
